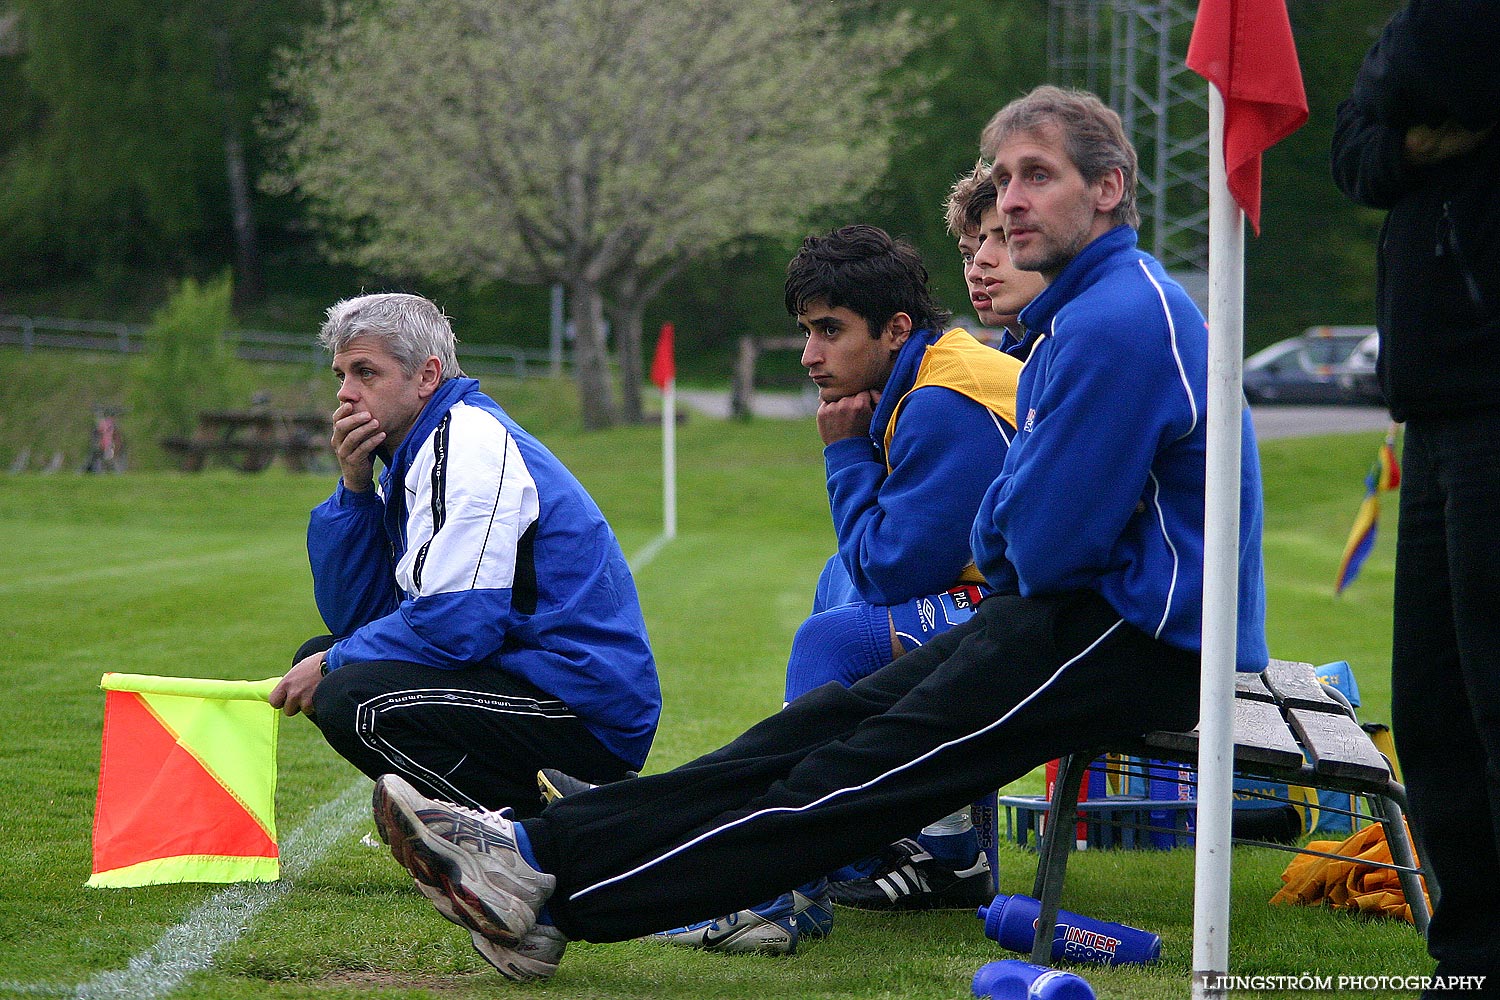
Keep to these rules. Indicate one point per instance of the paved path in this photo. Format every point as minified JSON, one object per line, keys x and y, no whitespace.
{"x":776,"y":405}
{"x":1304,"y":421}
{"x":1270,"y":421}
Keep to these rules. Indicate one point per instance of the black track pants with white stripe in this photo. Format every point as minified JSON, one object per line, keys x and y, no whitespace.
{"x":475,"y":736}
{"x":841,"y":772}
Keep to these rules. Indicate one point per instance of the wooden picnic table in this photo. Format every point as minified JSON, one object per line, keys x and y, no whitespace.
{"x":250,"y":440}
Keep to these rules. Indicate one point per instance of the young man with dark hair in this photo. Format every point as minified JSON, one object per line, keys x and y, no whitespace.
{"x":1092,"y":536}
{"x":915,"y":423}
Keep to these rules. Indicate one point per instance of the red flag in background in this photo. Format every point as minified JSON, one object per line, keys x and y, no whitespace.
{"x":1245,"y":48}
{"x":664,"y":365}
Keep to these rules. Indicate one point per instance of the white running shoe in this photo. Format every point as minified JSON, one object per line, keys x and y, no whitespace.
{"x":768,"y":929}
{"x":534,"y":957}
{"x":468,"y":856}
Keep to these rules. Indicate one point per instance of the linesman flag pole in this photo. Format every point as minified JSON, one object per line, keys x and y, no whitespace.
{"x":1244,"y":49}
{"x":664,"y":374}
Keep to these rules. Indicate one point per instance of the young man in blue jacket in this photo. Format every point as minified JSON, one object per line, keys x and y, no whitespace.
{"x":998,"y":290}
{"x":484,"y":622}
{"x":1092,"y":536}
{"x":943,"y":866}
{"x":915,"y":423}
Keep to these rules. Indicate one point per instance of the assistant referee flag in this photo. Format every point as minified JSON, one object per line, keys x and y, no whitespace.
{"x":187,"y":782}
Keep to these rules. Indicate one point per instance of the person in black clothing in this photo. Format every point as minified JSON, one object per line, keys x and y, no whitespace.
{"x":1418,"y":138}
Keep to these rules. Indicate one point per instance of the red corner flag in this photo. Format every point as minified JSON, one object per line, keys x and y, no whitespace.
{"x":664,"y":365}
{"x":1245,"y":48}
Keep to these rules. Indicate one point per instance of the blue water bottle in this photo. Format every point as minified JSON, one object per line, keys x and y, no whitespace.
{"x":1013,"y":979}
{"x":1011,"y":922}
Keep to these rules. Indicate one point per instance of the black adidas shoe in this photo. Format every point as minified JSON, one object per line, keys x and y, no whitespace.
{"x":909,"y":878}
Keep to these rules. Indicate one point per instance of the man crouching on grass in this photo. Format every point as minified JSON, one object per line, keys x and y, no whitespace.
{"x":1091,"y":536}
{"x":484,"y":622}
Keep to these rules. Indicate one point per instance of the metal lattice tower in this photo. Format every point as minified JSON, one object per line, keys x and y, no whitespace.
{"x":1133,"y":53}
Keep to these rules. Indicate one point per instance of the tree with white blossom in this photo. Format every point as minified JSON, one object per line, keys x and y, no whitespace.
{"x":601,"y":144}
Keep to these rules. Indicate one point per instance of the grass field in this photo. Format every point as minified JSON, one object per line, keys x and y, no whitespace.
{"x":206,"y":576}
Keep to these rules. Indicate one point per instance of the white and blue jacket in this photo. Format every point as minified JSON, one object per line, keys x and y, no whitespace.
{"x":1103,"y":486}
{"x":479,"y":549}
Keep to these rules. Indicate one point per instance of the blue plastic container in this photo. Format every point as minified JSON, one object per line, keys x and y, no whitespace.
{"x":1013,"y":979}
{"x":1011,"y":921}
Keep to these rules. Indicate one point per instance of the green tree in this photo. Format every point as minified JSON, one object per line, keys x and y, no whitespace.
{"x":603,"y":144}
{"x":973,"y":56}
{"x":1314,"y":261}
{"x":139,"y":148}
{"x":190,"y":362}
{"x":984,"y":53}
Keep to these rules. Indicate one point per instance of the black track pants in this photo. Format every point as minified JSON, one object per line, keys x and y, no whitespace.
{"x":841,"y":772}
{"x":1445,"y":680}
{"x":475,"y":736}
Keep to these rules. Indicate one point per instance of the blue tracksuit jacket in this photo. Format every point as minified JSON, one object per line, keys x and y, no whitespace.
{"x":479,"y":549}
{"x":904,"y":534}
{"x":1103,"y":486}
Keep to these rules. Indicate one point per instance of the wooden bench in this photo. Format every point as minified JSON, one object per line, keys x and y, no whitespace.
{"x":1287,"y":728}
{"x":251,"y":440}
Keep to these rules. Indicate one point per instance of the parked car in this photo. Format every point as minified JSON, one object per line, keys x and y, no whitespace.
{"x":1325,"y":364}
{"x":1359,"y":371}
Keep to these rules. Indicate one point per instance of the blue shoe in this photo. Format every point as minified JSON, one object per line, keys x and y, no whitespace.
{"x":860,"y":869}
{"x":767,"y":929}
{"x":812,"y":909}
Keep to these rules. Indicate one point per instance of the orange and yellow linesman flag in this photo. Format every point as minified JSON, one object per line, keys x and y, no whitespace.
{"x":1385,"y":474}
{"x":187,"y":782}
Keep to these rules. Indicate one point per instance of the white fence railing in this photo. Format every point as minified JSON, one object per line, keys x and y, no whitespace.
{"x":48,"y":332}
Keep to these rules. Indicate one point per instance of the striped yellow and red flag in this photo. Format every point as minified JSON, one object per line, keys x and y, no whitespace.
{"x":1384,"y":475}
{"x":187,"y":782}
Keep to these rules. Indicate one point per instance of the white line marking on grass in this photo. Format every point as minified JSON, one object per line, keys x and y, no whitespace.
{"x":643,"y":558}
{"x":138,"y":570}
{"x":36,"y":989}
{"x":191,"y":946}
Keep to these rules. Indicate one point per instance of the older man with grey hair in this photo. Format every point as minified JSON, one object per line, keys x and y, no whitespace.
{"x":483,"y":620}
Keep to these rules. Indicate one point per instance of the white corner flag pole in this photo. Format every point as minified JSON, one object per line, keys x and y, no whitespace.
{"x":1226,"y":294}
{"x":669,"y":459}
